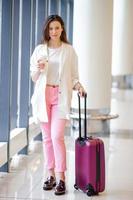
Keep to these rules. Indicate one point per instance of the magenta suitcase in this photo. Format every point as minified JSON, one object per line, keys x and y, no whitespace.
{"x":89,"y":161}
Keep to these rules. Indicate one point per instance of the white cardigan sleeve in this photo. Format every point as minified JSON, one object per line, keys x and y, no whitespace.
{"x":34,"y":71}
{"x":75,"y":73}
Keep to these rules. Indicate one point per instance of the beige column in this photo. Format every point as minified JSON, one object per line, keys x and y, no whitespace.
{"x":92,"y":39}
{"x":122,"y":54}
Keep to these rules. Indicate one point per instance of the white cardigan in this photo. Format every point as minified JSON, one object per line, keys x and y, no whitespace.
{"x":68,"y":77}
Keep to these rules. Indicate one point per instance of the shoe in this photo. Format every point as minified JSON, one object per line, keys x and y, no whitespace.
{"x":49,"y":183}
{"x":60,"y":188}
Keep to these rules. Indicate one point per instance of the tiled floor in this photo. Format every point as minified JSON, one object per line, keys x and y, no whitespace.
{"x":25,"y":180}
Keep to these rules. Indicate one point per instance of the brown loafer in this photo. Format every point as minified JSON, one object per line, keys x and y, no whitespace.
{"x":60,"y":188}
{"x":49,"y":183}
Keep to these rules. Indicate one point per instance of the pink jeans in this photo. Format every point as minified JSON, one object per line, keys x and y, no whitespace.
{"x":53,"y":134}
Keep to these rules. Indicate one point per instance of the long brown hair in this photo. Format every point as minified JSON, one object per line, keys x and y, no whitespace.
{"x":45,"y":34}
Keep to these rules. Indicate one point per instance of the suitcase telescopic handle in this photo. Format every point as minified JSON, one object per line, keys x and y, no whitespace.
{"x":85,"y":120}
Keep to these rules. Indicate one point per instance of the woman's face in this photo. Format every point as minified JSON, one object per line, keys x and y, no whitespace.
{"x":55,"y":30}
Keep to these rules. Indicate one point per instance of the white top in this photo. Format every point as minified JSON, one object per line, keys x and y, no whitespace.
{"x":53,"y":62}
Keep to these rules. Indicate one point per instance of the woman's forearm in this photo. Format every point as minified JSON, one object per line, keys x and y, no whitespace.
{"x":35,"y":75}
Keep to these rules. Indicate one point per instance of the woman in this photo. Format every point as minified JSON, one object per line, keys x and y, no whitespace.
{"x":54,"y":70}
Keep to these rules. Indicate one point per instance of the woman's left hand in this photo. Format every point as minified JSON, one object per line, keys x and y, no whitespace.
{"x":82,"y":91}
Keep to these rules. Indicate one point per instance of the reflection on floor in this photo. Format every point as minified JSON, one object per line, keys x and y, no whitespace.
{"x":26,"y":177}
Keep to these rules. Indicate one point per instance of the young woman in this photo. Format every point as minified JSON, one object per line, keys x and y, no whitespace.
{"x":54,"y":69}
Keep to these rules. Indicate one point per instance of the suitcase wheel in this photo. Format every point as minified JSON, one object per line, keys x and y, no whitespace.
{"x":89,"y":193}
{"x":75,"y":186}
{"x":90,"y":190}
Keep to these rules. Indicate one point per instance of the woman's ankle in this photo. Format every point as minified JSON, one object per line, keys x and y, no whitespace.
{"x":51,"y":173}
{"x":60,"y":176}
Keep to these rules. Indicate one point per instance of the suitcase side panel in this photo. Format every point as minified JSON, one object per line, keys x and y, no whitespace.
{"x":100,"y":185}
{"x":86,"y":163}
{"x":85,"y":169}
